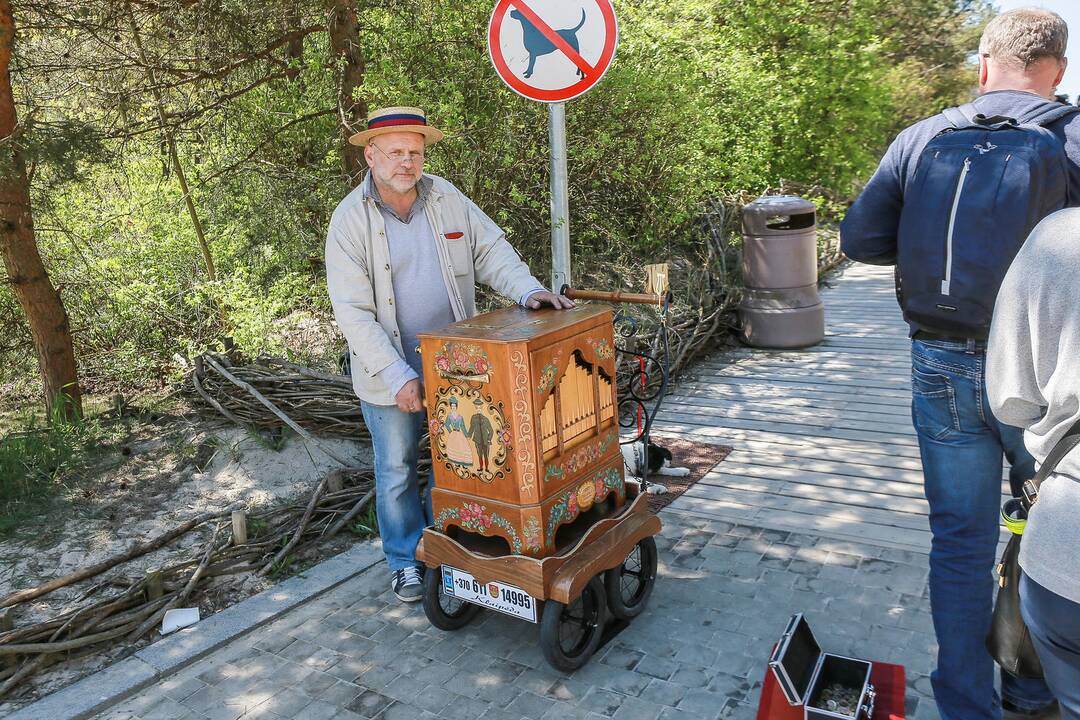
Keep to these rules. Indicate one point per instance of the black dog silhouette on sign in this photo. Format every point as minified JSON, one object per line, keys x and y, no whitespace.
{"x":537,"y":44}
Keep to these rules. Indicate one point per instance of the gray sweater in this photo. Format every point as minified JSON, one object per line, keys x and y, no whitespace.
{"x":1033,"y":379}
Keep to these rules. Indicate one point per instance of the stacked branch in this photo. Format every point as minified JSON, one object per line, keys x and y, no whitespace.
{"x":318,"y":402}
{"x":123,"y":609}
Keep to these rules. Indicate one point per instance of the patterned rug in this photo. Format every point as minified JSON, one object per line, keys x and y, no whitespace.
{"x":698,"y":456}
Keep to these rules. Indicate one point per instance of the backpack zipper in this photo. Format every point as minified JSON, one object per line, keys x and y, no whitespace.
{"x":947,"y":282}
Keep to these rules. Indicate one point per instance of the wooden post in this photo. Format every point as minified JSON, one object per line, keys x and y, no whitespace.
{"x":155,"y":586}
{"x":239,"y":527}
{"x":658,"y":279}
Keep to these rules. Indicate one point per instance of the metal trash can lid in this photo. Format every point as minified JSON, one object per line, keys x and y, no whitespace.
{"x":778,"y":214}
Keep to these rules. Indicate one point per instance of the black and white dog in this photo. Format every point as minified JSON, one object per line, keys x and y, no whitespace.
{"x":537,"y":44}
{"x":659,"y":464}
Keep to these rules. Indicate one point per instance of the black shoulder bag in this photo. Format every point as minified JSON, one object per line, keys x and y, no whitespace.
{"x":1009,"y":641}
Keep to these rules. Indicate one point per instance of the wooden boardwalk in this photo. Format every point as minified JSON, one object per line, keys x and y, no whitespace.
{"x":822,"y":437}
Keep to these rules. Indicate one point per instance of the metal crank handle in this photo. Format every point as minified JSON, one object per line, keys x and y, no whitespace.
{"x":618,"y":296}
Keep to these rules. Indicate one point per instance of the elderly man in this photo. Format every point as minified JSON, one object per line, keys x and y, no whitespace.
{"x":403,"y":254}
{"x":941,"y":206}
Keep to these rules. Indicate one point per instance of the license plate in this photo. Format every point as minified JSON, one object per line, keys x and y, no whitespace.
{"x":494,"y":595}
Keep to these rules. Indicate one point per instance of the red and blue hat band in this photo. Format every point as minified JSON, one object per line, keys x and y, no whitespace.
{"x":396,"y":120}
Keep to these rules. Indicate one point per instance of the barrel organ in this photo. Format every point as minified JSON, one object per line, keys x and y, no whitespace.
{"x":522,"y":414}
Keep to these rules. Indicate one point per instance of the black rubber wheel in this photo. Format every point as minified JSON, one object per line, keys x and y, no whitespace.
{"x":570,"y":634}
{"x":443,"y":611}
{"x":629,"y":585}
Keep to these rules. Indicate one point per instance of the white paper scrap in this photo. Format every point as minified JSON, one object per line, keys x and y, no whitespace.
{"x":179,"y":618}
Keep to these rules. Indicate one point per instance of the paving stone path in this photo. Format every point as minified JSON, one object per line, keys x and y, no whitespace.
{"x":738,"y":555}
{"x":723,"y":595}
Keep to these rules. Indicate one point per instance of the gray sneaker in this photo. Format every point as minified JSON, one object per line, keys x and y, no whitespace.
{"x":408,"y":585}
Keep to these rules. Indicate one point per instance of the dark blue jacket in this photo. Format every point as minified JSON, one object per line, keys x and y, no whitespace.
{"x":868,"y":232}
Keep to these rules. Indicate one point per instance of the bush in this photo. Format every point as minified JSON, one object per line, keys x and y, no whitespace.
{"x":706,"y":99}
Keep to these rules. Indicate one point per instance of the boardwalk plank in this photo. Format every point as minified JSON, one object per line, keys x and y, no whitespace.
{"x":819,"y":417}
{"x":822,"y":437}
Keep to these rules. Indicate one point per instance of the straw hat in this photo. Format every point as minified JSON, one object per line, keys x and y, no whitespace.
{"x":397,"y":119}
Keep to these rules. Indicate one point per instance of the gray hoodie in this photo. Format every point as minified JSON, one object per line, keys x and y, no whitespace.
{"x":1033,"y":379}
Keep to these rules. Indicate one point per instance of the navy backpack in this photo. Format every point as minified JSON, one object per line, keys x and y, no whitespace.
{"x":979,"y":188}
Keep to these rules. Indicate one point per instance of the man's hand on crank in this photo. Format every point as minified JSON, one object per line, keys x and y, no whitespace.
{"x":410,"y":397}
{"x":542,"y":297}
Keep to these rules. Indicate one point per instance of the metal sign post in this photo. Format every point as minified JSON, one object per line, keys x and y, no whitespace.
{"x":560,"y":203}
{"x":553,"y":51}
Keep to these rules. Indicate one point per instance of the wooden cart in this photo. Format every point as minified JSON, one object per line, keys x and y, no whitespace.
{"x":611,"y":569}
{"x":533,"y":514}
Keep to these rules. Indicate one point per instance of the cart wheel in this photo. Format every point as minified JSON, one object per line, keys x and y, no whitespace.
{"x":628,"y":586}
{"x":443,"y":611}
{"x":570,"y":634}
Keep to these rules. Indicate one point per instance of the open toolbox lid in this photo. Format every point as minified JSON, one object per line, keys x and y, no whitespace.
{"x":795,"y":658}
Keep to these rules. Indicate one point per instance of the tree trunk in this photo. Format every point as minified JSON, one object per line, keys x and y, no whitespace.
{"x":294,"y":51}
{"x":39,"y":300}
{"x":344,"y":28}
{"x":170,"y":144}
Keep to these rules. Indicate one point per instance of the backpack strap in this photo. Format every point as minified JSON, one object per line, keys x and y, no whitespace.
{"x":1052,"y":116}
{"x":1061,"y":449}
{"x":967,"y":115}
{"x":960,"y":116}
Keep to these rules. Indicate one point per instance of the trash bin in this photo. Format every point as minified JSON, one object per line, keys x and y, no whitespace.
{"x":781,"y":307}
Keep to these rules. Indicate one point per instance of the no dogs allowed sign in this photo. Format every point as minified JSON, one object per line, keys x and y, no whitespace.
{"x":552,"y":50}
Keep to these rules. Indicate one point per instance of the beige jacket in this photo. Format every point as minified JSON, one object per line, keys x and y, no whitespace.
{"x":362,"y":294}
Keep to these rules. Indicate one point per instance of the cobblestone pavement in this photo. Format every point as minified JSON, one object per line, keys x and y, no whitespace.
{"x":723,"y":595}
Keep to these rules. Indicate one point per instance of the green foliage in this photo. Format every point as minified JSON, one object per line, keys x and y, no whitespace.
{"x":256,"y":527}
{"x":282,"y":568}
{"x":36,"y":462}
{"x":705,"y":99}
{"x":367,"y":525}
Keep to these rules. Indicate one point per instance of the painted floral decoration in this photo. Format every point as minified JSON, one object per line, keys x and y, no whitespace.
{"x":547,"y":378}
{"x":581,"y":458}
{"x":566,"y":509}
{"x":602,"y":347}
{"x":531,"y":530}
{"x":462,"y":361}
{"x":548,"y":374}
{"x":474,"y":517}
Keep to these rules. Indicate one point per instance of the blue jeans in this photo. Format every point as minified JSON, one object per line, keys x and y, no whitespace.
{"x":402,"y":512}
{"x":961,"y":445}
{"x":1054,"y":623}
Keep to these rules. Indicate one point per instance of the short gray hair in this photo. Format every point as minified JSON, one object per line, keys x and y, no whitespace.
{"x":1024,"y":36}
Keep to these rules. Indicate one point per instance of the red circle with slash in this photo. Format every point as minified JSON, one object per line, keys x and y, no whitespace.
{"x":592,"y":72}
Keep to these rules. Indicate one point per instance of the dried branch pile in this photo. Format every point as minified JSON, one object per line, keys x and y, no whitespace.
{"x":125,"y":609}
{"x":247,"y":395}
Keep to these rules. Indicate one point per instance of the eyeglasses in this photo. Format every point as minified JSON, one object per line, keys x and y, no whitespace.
{"x":401,"y":156}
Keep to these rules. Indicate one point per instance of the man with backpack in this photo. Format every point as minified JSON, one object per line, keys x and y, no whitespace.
{"x":950,"y":205}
